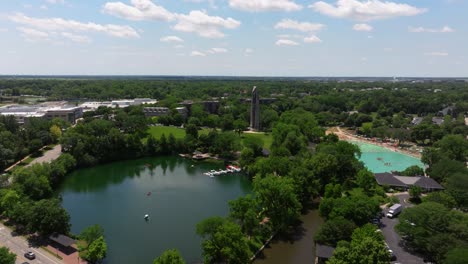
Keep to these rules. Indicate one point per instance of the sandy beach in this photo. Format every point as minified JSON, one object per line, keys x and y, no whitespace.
{"x":347,"y":136}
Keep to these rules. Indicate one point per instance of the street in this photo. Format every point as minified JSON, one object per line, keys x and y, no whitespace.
{"x":393,"y":239}
{"x":19,"y":246}
{"x":48,"y":156}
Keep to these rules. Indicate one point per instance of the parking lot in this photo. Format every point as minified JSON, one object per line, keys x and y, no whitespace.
{"x":394,"y":240}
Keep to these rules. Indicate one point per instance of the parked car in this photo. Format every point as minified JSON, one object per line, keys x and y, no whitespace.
{"x":30,"y":255}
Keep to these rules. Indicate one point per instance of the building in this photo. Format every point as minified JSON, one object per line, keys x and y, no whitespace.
{"x":211,"y":107}
{"x":69,"y":114}
{"x":90,"y":106}
{"x":48,"y":111}
{"x":323,"y":253}
{"x":182,"y":111}
{"x":155,"y":111}
{"x":255,"y":110}
{"x":405,"y":182}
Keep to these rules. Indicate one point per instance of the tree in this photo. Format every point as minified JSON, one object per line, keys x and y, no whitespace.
{"x":457,"y":255}
{"x":171,"y":256}
{"x":9,"y":200}
{"x":97,"y":250}
{"x":457,"y":187}
{"x":47,"y":217}
{"x":192,"y":130}
{"x":335,"y":230}
{"x":432,"y":229}
{"x":223,"y":242}
{"x":366,"y":180}
{"x":276,"y":195}
{"x":415,"y":193}
{"x":454,"y":147}
{"x":7,"y":257}
{"x":441,"y":197}
{"x":414,"y":170}
{"x":244,"y":210}
{"x":55,"y":132}
{"x":91,"y":233}
{"x":365,"y":247}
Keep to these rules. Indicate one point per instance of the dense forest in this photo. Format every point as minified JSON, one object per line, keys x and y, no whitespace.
{"x":302,"y":164}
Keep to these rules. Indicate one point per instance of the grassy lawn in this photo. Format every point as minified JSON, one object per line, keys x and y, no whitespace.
{"x":266,"y":138}
{"x":157,"y":131}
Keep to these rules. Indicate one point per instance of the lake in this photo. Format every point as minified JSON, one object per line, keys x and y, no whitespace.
{"x":172,"y":190}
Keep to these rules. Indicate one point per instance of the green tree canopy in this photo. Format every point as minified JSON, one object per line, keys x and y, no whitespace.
{"x":7,"y":257}
{"x":171,"y":256}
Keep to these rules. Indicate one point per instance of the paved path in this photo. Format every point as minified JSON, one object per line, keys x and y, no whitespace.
{"x":48,"y":156}
{"x":394,"y":240}
{"x":19,"y":246}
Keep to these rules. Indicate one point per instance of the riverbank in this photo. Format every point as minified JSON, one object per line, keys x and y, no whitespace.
{"x":347,"y":136}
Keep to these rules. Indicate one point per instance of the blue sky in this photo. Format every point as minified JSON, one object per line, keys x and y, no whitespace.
{"x":235,"y":37}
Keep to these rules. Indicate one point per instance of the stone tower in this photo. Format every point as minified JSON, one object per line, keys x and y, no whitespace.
{"x":255,"y":110}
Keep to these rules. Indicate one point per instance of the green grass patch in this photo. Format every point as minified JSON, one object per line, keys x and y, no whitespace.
{"x":158,"y":131}
{"x":266,"y":138}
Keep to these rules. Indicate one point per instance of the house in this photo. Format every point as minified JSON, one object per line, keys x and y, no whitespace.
{"x":405,"y":182}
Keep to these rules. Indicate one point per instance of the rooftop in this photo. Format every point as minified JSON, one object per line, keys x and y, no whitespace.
{"x":390,"y":179}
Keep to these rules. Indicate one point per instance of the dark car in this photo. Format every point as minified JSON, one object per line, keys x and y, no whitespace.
{"x":30,"y":255}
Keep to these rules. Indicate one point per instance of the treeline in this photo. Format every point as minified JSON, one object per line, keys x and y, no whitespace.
{"x":437,"y":228}
{"x":17,"y":141}
{"x":29,"y":202}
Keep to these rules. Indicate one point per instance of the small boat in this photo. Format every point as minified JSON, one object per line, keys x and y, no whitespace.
{"x":146,"y":216}
{"x":148,"y":194}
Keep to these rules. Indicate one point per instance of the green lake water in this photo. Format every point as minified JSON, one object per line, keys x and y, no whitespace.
{"x":379,"y":159}
{"x":174,"y":193}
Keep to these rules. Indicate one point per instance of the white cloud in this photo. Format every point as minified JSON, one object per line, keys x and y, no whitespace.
{"x":55,"y":1}
{"x":366,"y":10}
{"x":286,"y":42}
{"x":217,"y":50}
{"x":31,"y":34}
{"x":264,"y":5}
{"x":3,"y":29}
{"x":60,"y":24}
{"x":301,"y":26}
{"x":445,"y":29}
{"x":249,"y":50}
{"x":197,"y":54}
{"x":171,"y":39}
{"x":362,"y":27}
{"x":179,"y":46}
{"x":139,"y":10}
{"x":43,"y":7}
{"x":204,"y":25}
{"x":76,"y":38}
{"x":312,"y":39}
{"x":437,"y":53}
{"x":196,"y":21}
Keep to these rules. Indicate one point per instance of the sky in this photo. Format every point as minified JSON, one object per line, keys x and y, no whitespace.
{"x":418,"y":38}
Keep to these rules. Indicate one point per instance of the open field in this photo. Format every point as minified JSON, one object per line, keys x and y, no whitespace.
{"x":158,"y":131}
{"x":266,"y":138}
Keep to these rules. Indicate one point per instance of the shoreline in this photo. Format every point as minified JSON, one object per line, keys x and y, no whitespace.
{"x":343,"y":135}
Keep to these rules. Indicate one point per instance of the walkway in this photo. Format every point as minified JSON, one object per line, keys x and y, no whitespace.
{"x":19,"y":246}
{"x":48,"y":156}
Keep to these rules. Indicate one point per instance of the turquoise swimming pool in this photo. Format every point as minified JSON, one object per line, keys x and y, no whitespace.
{"x":379,"y":159}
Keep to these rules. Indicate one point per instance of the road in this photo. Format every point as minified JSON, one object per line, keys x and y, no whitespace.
{"x":19,"y":246}
{"x":394,"y":240}
{"x":48,"y":156}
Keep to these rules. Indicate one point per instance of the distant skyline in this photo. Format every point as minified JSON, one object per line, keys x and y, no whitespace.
{"x":417,"y":38}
